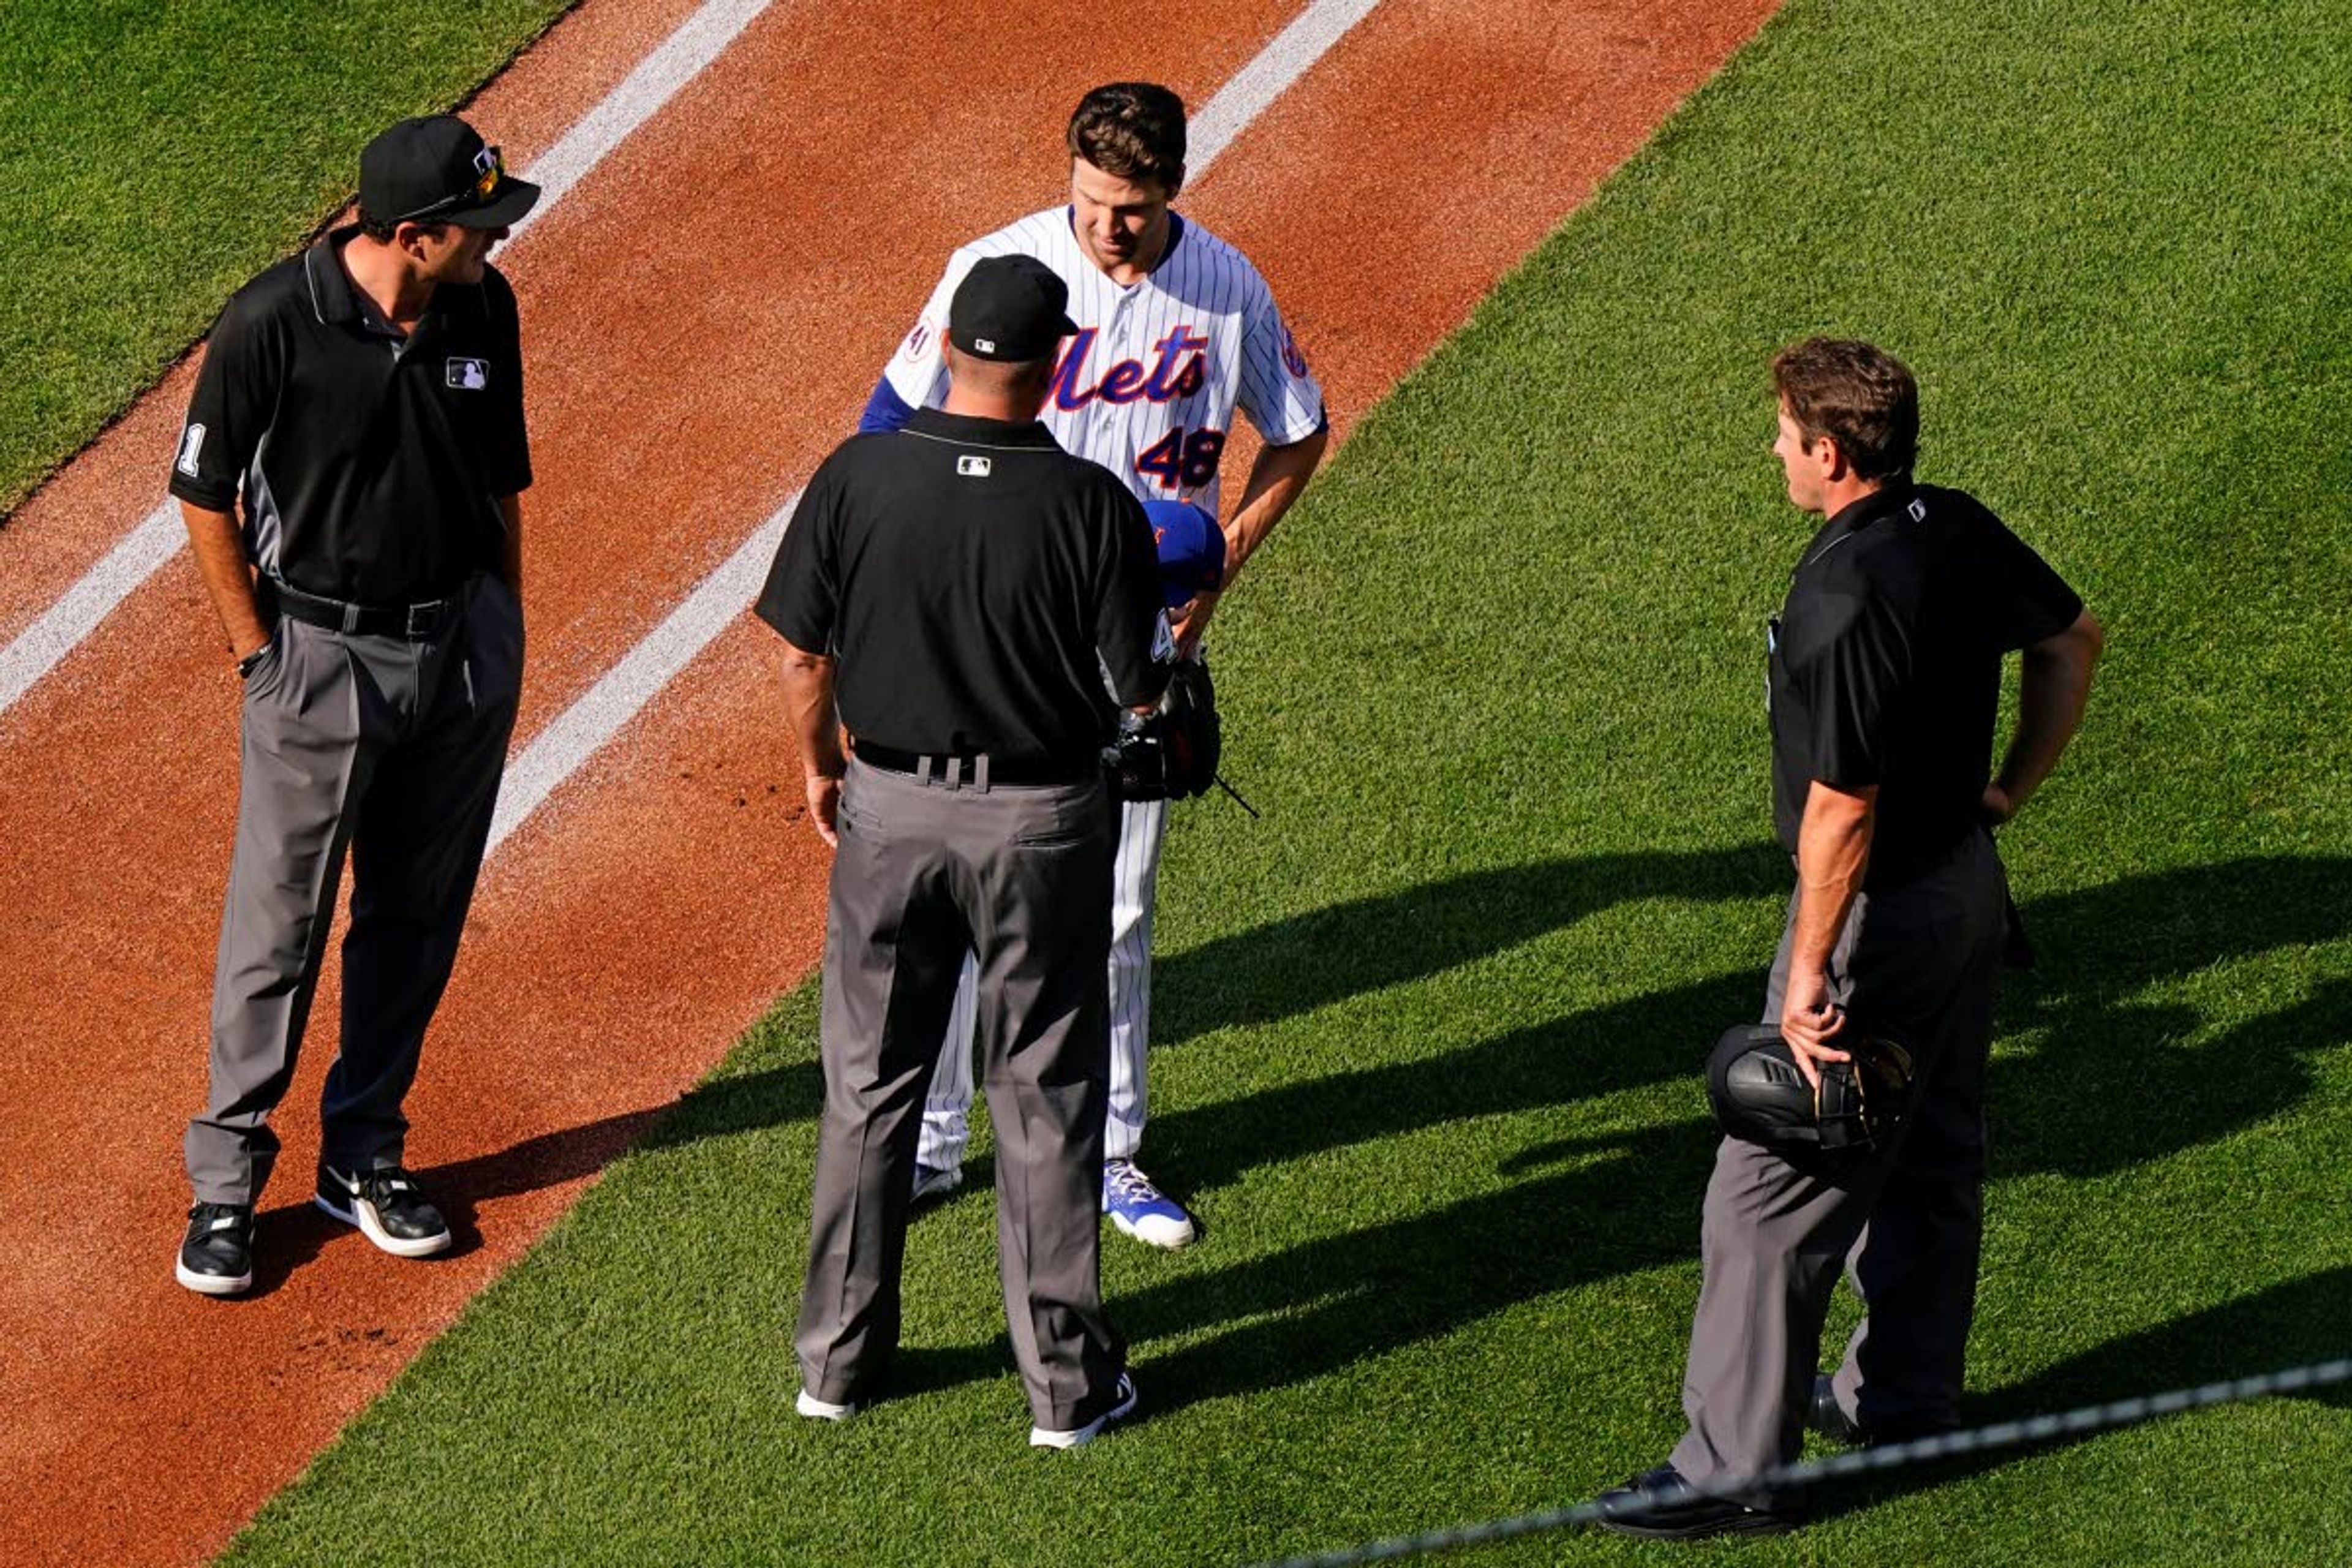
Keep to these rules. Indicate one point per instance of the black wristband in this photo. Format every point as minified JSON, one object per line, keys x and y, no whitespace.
{"x":250,"y":662}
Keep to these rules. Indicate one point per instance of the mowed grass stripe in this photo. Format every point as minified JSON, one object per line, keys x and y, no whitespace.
{"x":154,"y":157}
{"x":1429,"y":1031}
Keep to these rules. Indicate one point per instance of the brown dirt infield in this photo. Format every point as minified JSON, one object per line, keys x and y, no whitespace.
{"x":706,"y":314}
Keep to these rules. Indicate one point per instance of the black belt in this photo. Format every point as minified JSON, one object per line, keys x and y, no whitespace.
{"x":415,"y":622}
{"x":1076,"y":767}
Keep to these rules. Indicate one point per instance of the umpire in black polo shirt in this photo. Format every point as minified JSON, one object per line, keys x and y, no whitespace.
{"x":1885,"y":676}
{"x":955,"y":593}
{"x":365,"y":400}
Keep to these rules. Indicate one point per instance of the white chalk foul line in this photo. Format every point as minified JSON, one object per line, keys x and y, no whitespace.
{"x":582,"y":729}
{"x":1211,"y":129}
{"x":38,"y":648}
{"x":677,"y":60}
{"x":556,"y":752}
{"x":683,"y":56}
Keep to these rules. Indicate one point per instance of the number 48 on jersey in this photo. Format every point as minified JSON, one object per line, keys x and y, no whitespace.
{"x":1181,"y":459}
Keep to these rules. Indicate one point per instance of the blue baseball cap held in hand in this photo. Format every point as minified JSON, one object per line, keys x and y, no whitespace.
{"x":1192,"y":550}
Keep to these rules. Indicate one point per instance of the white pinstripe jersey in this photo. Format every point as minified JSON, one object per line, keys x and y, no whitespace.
{"x":1148,"y":386}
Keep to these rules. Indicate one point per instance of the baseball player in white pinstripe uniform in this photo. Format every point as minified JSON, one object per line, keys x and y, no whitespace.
{"x":1176,"y":330}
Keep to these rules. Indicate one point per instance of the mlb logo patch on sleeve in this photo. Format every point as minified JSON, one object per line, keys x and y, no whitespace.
{"x":468,"y":374}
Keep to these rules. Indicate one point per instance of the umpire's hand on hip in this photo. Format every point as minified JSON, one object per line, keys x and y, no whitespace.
{"x":824,"y":807}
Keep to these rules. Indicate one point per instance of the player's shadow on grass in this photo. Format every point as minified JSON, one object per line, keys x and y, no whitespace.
{"x":2105,"y":1081}
{"x":2089,"y":1044}
{"x":1610,"y":1206}
{"x":740,"y":1102}
{"x":1660,"y":1037}
{"x":2295,"y":1323}
{"x":1331,"y":1302}
{"x":1312,"y":959}
{"x":2101,"y":1090}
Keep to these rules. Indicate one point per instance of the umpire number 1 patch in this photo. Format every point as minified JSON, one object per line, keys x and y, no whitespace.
{"x":192,"y":443}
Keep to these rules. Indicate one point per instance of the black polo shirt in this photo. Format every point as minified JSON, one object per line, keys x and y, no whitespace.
{"x":370,"y":460}
{"x":1886,"y":666}
{"x":977,"y":584}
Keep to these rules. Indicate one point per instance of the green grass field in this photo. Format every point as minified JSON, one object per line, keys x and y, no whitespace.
{"x":153,"y":157}
{"x":1429,"y":1032}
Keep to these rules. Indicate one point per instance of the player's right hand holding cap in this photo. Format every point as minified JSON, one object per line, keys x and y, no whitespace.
{"x":1191,"y":551}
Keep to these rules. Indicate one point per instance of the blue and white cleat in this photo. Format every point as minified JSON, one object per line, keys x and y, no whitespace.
{"x":933,"y":1182}
{"x":1142,"y":1210}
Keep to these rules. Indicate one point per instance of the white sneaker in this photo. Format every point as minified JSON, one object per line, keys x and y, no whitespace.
{"x":1141,"y":1210}
{"x":1122,"y":1407}
{"x":816,"y":1409}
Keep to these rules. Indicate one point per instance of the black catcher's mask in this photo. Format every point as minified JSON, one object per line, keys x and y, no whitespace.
{"x":1760,"y":1097}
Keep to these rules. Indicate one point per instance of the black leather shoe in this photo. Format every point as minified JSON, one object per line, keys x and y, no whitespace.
{"x":387,"y":1205}
{"x":216,"y":1255}
{"x":1829,"y":1418}
{"x":1691,"y":1518}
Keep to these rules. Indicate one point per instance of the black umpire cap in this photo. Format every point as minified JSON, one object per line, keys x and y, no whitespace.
{"x":1011,"y":308}
{"x":438,"y":169}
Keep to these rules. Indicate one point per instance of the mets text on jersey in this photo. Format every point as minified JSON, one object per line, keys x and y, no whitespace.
{"x":1179,"y":369}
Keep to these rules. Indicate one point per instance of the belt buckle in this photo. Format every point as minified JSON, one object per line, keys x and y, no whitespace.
{"x":422,"y":618}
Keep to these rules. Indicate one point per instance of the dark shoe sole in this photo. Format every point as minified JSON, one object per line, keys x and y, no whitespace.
{"x":361,"y":1214}
{"x":1746,"y":1524}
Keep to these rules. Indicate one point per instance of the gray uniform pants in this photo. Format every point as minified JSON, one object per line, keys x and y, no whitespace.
{"x":1918,"y":965}
{"x":1021,"y":876}
{"x":1135,"y":877}
{"x":391,"y":749}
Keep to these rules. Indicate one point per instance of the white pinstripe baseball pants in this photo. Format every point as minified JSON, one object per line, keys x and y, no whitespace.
{"x":947,"y":1109}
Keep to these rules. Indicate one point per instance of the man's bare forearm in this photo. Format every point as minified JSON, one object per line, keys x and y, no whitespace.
{"x":219,"y":550}
{"x":808,"y":704}
{"x":1832,"y":852}
{"x":2054,"y":689}
{"x":1276,"y":483}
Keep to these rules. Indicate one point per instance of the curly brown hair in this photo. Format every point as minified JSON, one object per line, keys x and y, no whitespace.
{"x":1858,"y":395}
{"x":1134,"y":130}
